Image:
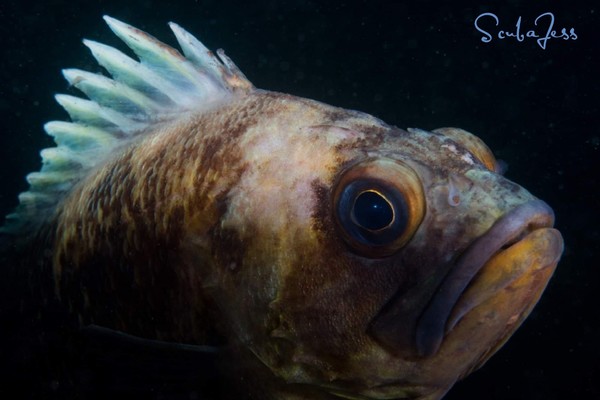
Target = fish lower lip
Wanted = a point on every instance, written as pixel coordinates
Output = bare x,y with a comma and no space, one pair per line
508,230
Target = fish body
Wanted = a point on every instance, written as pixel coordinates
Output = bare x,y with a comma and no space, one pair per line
334,255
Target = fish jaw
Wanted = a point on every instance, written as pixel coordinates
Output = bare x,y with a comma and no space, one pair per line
523,220
492,302
511,269
495,304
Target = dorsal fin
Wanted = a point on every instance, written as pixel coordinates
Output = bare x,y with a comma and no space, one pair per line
161,86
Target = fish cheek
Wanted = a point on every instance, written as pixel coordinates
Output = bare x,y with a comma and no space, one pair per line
328,297
324,307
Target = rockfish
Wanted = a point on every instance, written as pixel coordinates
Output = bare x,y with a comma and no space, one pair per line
326,253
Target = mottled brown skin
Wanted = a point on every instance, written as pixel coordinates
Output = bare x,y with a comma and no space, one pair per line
220,228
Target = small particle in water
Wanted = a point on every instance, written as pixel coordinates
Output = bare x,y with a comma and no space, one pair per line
594,141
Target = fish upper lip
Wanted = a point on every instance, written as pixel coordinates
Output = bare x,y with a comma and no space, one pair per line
510,228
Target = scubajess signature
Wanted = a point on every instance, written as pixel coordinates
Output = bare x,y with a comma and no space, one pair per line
542,31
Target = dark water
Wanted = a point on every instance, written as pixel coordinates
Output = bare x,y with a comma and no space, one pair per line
416,65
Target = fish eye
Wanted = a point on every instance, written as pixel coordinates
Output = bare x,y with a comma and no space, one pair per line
378,205
475,145
372,211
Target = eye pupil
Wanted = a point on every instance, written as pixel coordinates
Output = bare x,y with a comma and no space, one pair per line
372,211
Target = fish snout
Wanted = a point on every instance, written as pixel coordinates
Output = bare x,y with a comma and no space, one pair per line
520,242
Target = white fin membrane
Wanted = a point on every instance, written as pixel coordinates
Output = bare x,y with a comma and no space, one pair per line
161,86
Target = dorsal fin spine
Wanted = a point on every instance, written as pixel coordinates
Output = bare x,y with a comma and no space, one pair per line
135,74
194,50
110,93
157,55
161,86
88,112
79,137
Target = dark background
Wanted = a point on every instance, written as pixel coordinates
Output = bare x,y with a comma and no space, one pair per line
413,65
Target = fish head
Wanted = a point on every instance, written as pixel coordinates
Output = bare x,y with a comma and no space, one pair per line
377,262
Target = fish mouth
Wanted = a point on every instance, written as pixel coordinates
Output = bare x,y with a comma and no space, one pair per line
492,262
